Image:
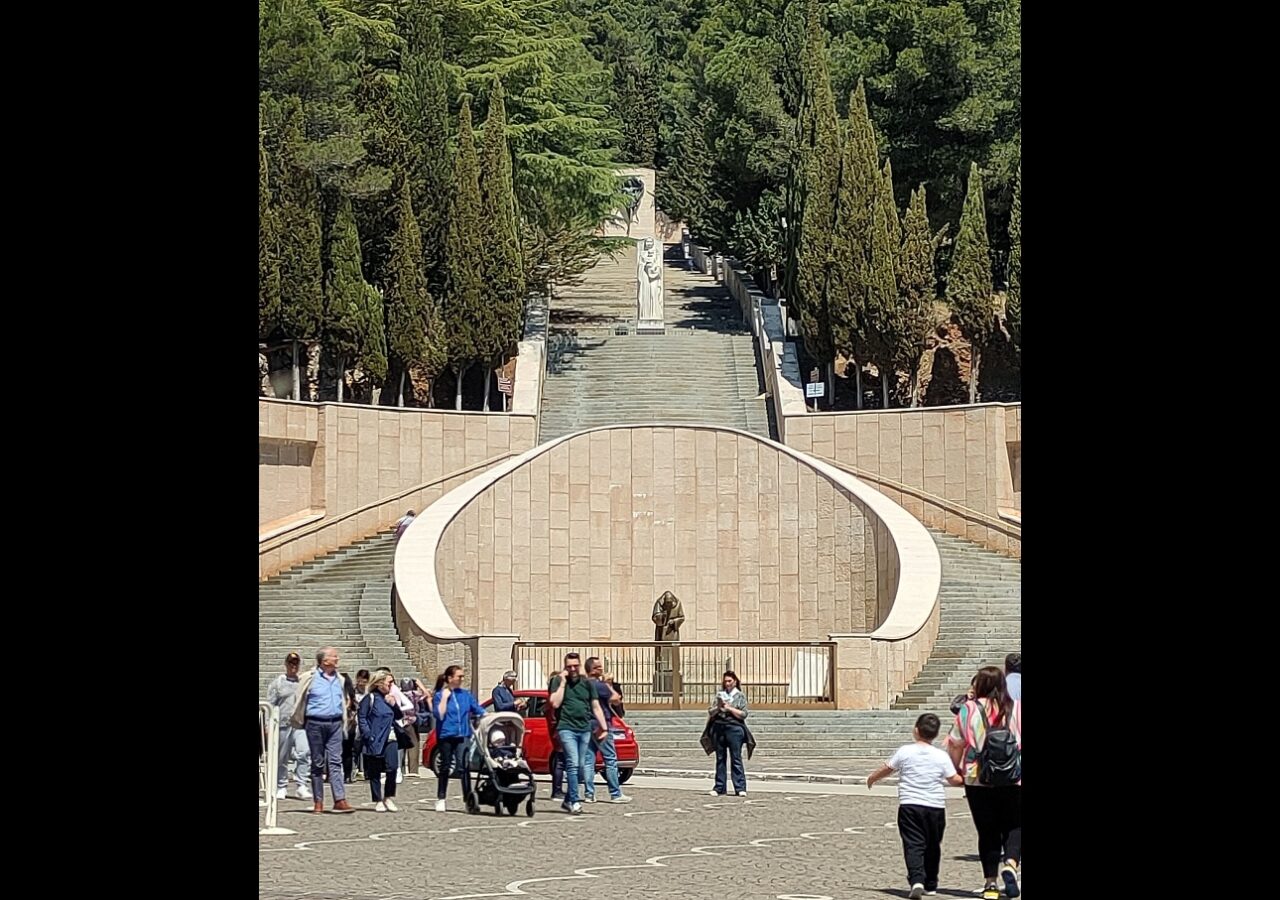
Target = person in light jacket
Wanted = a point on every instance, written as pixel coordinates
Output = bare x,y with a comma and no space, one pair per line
322,709
727,718
378,714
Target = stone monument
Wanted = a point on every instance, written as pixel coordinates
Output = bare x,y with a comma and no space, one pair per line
649,313
667,616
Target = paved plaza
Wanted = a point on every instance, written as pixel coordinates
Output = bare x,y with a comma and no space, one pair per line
784,842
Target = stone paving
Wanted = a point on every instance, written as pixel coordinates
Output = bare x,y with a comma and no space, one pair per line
783,841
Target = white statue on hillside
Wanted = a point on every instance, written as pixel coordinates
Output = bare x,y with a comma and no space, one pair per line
649,277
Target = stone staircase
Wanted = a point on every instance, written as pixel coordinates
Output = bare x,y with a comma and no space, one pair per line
343,599
980,622
702,370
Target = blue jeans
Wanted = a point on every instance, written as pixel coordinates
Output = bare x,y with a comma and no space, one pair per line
577,744
325,739
610,754
729,740
557,773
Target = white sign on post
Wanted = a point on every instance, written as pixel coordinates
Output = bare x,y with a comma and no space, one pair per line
815,389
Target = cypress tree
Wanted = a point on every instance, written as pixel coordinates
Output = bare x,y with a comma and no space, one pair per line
347,300
916,285
820,180
301,269
268,250
503,264
882,290
1013,303
969,287
422,97
464,307
891,207
413,323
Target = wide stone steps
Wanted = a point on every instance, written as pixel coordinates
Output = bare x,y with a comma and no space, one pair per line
343,599
702,370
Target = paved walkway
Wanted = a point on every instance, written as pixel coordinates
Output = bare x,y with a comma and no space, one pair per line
783,841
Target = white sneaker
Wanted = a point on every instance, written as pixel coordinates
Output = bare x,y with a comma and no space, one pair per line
399,777
304,793
714,794
440,806
381,807
917,891
621,798
391,807
282,793
739,793
576,809
590,798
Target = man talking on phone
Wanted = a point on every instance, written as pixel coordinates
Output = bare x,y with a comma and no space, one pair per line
576,703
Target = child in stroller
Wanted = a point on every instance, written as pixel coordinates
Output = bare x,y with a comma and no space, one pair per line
502,778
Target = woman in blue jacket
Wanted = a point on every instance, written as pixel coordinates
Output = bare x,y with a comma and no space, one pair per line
378,714
453,707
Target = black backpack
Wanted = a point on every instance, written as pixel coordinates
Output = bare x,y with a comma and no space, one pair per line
1000,760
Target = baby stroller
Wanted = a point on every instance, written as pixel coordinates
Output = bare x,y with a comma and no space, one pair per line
500,777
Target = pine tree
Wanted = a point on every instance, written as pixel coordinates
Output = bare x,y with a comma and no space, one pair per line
465,311
422,96
268,251
1013,302
917,282
414,333
969,286
820,179
348,298
301,269
503,267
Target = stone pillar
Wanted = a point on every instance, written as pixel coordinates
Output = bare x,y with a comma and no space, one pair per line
491,655
855,671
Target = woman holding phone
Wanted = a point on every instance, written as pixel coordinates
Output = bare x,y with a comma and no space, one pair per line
727,716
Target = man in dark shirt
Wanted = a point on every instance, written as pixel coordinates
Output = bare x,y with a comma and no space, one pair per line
504,695
577,706
608,696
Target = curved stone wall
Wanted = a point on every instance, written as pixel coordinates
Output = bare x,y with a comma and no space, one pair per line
577,542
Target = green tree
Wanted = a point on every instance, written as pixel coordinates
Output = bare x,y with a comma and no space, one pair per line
467,317
349,334
414,332
301,266
969,287
503,268
819,183
423,103
917,286
268,251
891,210
1013,302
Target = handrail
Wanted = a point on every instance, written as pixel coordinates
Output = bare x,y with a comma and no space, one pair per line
269,715
1010,527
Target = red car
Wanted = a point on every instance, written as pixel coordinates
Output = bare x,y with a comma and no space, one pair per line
537,741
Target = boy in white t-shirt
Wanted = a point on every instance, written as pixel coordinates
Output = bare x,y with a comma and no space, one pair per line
924,771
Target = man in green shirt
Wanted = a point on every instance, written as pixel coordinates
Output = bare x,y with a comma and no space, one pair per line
576,703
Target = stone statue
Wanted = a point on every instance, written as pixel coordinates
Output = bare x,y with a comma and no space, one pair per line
633,188
649,313
668,616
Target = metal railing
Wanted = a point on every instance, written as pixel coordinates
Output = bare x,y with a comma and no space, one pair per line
687,674
268,764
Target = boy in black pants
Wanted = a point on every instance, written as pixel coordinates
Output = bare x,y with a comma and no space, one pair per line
924,770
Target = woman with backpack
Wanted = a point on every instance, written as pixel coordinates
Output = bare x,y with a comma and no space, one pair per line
985,744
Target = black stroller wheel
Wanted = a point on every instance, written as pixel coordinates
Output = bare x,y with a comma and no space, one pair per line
528,809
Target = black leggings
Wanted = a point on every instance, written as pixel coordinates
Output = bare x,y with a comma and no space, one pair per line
997,815
451,757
